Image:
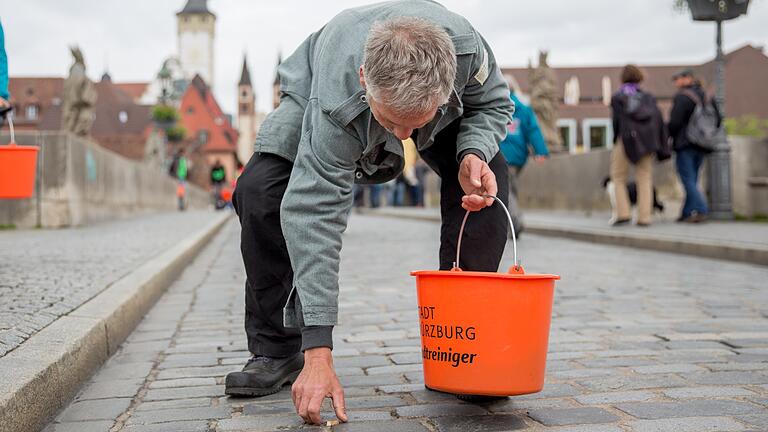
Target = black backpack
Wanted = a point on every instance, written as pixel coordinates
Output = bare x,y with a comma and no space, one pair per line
702,128
174,165
639,127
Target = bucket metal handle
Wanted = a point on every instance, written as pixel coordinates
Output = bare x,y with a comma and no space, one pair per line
517,266
13,134
9,117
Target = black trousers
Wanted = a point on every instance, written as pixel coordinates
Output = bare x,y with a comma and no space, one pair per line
269,276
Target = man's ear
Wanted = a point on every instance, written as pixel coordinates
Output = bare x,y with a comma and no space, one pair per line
362,77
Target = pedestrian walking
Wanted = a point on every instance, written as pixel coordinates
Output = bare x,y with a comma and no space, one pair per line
691,150
179,170
639,135
218,176
523,137
370,78
4,95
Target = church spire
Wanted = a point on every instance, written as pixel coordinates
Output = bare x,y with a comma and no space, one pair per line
245,75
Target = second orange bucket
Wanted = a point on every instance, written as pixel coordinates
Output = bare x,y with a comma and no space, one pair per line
18,165
484,333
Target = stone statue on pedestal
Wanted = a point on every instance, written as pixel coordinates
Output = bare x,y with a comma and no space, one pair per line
544,101
79,98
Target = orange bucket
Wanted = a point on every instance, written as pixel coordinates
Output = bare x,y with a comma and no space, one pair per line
226,194
17,168
180,190
484,333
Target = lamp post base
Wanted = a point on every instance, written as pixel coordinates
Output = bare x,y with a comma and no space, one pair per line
719,181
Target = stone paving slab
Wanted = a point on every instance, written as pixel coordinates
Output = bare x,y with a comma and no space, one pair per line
45,274
639,342
735,241
45,372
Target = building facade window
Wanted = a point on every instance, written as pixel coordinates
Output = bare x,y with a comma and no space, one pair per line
202,136
572,91
607,90
32,112
567,129
597,133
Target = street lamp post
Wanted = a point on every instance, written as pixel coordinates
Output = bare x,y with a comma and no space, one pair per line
719,172
165,83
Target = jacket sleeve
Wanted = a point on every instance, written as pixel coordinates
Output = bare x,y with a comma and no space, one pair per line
663,133
487,106
3,66
615,117
682,108
314,212
533,135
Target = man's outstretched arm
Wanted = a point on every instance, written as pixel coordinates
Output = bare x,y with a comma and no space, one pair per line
313,216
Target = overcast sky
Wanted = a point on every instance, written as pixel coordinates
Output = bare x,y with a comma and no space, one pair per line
131,38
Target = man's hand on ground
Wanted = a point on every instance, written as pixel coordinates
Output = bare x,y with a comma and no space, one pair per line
477,179
539,158
316,382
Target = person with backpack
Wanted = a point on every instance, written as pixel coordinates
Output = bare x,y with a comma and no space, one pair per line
639,133
523,138
218,177
218,174
694,125
179,170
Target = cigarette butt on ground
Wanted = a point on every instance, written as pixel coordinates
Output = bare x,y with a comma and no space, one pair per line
332,422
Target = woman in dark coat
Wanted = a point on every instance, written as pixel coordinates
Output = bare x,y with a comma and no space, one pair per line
638,134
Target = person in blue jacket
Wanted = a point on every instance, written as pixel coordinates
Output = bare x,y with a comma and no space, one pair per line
523,134
4,96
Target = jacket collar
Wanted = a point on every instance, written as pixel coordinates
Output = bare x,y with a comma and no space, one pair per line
352,107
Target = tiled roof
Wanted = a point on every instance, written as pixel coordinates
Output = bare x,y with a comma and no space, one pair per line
135,89
200,111
44,92
120,124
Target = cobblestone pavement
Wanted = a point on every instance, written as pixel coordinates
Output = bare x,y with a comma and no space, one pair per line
737,234
641,341
45,274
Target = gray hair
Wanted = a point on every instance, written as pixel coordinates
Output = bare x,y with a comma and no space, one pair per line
409,65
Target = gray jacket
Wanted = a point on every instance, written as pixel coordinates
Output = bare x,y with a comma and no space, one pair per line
325,126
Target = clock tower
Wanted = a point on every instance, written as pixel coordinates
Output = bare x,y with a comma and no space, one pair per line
196,29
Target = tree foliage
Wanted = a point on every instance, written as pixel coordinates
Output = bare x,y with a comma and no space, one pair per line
176,133
164,114
748,125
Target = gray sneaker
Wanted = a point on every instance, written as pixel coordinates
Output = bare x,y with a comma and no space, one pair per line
263,376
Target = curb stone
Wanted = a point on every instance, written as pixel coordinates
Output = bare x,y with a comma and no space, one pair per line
44,374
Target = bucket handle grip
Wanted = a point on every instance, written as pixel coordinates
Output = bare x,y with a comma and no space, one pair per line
517,266
13,134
